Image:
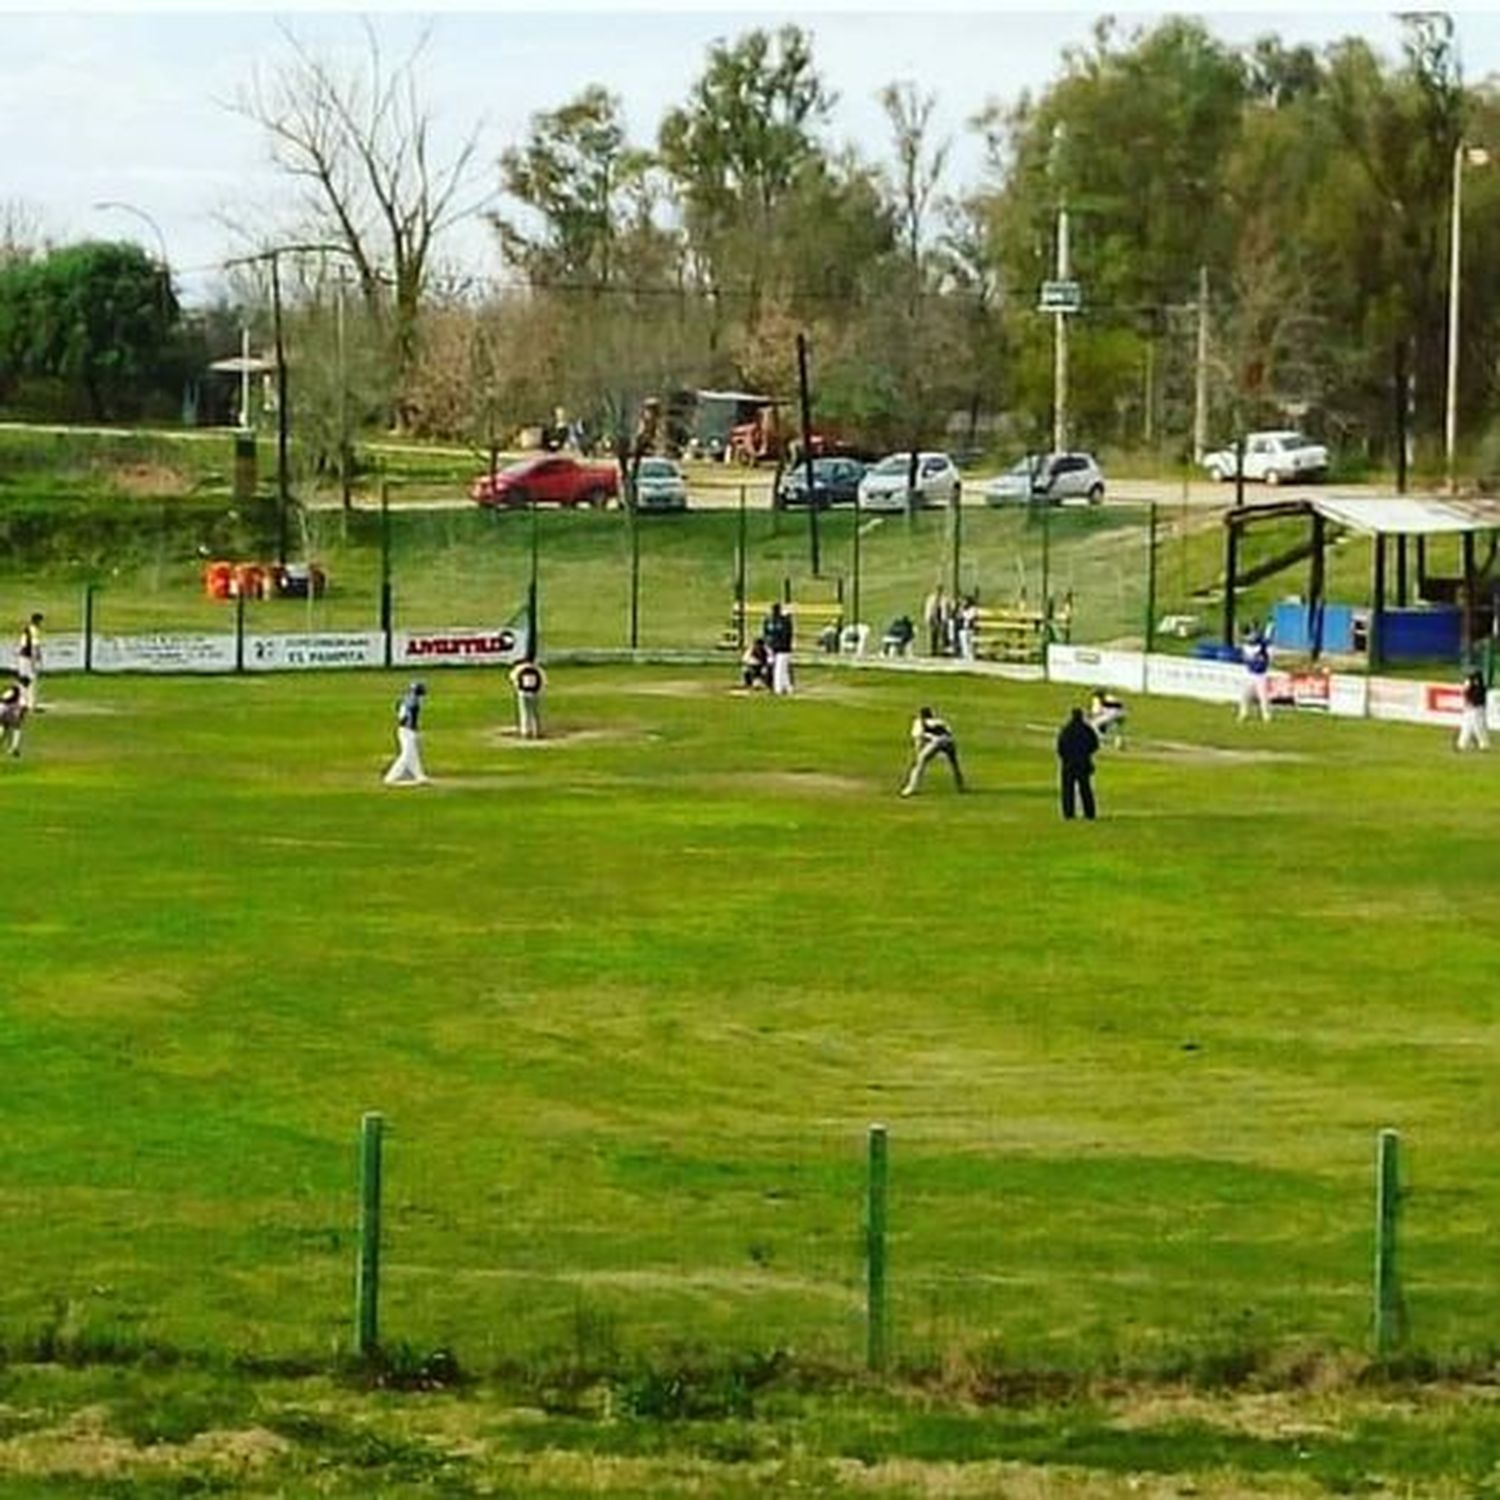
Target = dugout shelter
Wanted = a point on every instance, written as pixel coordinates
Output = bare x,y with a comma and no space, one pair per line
1412,613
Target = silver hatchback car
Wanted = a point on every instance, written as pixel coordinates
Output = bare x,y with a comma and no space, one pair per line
1049,479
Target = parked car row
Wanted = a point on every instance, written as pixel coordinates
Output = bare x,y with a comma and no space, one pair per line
878,487
1273,457
561,479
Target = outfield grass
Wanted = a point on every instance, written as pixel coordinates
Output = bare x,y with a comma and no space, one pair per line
630,1000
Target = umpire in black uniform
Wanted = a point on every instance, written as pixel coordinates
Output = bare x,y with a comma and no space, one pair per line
1077,745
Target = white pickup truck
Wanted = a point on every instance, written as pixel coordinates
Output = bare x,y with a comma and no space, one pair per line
1277,457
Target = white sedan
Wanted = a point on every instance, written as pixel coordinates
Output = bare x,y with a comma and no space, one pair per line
660,486
1051,478
884,486
1276,457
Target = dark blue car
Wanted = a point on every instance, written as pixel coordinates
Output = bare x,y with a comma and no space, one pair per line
835,482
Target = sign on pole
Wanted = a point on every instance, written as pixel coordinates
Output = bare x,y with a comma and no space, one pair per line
1060,297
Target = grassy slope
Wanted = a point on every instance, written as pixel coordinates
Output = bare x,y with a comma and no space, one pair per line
139,516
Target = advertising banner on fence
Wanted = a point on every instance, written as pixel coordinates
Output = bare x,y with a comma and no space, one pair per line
1097,667
164,653
314,652
1415,702
459,647
1187,677
1346,695
1302,689
62,653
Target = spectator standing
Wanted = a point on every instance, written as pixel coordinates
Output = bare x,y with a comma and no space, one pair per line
1473,732
930,736
968,627
406,769
777,631
934,614
1077,745
529,681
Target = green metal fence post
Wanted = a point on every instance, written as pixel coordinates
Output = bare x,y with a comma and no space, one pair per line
1388,1309
740,564
854,600
239,629
386,610
367,1281
635,566
88,627
958,545
1150,634
875,1263
1046,604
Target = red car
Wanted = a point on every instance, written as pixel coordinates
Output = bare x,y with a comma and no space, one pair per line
548,479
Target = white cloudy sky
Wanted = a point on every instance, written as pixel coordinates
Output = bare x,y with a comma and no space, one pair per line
132,105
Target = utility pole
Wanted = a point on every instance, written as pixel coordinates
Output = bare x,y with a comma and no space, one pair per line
282,415
1200,372
1060,316
807,456
345,493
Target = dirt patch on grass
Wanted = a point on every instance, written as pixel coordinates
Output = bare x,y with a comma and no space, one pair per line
1187,752
676,687
1183,750
84,1447
817,783
74,708
824,783
563,739
149,479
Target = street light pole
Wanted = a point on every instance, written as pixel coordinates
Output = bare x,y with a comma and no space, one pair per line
164,287
282,415
1060,318
1475,156
140,213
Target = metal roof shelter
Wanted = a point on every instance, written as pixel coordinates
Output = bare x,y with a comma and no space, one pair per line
1381,517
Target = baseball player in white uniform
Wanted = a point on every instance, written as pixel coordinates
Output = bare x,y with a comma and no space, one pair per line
406,769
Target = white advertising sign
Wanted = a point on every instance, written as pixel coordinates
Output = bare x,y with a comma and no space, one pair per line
1412,702
1097,667
458,647
1346,695
164,653
314,652
1187,677
62,653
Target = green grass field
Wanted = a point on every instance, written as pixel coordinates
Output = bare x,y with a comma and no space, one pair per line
630,1000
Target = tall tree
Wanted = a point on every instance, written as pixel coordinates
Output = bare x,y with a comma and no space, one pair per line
738,147
1149,122
96,316
919,163
580,183
1401,130
360,144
